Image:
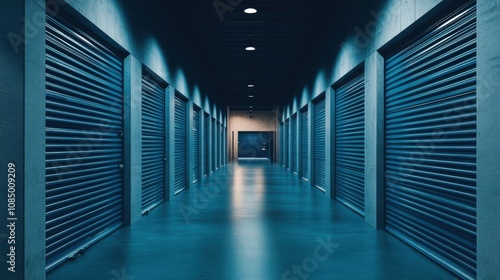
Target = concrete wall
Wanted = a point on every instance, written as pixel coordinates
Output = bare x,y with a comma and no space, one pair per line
488,135
241,121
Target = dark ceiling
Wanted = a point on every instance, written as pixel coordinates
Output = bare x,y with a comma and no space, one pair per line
283,32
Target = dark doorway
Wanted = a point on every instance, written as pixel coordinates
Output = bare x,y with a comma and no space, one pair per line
255,145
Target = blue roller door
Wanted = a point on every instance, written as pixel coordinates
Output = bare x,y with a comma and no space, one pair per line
180,145
431,141
84,145
287,144
304,144
350,144
153,143
206,142
214,146
196,133
293,153
282,153
319,140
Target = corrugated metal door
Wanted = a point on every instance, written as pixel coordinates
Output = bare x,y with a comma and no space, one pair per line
196,145
320,145
431,141
84,145
287,144
350,144
206,154
219,151
282,141
153,143
304,145
180,126
214,145
294,144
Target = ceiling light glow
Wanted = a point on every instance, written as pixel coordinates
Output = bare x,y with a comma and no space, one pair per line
250,11
250,48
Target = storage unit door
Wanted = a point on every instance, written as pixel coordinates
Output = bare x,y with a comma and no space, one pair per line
153,143
431,141
206,154
180,126
219,151
281,144
196,146
214,145
294,145
304,145
350,144
320,145
84,145
287,144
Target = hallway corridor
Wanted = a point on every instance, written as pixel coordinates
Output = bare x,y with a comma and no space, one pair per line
250,220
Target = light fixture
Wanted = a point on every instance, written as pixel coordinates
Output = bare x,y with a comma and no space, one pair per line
251,107
251,96
251,85
250,11
250,47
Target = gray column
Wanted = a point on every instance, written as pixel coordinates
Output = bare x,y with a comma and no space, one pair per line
132,140
374,141
24,108
330,142
488,135
170,142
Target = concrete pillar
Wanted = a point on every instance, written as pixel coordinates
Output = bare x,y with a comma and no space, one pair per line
132,140
170,142
22,139
488,134
330,142
374,141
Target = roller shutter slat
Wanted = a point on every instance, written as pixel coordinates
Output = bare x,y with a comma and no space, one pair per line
153,142
293,153
304,147
196,145
84,146
320,145
180,138
431,141
350,143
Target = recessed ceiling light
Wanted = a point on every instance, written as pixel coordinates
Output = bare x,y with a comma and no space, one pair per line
251,96
250,11
251,85
250,48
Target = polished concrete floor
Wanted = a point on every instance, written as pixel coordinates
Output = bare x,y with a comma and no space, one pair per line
250,220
